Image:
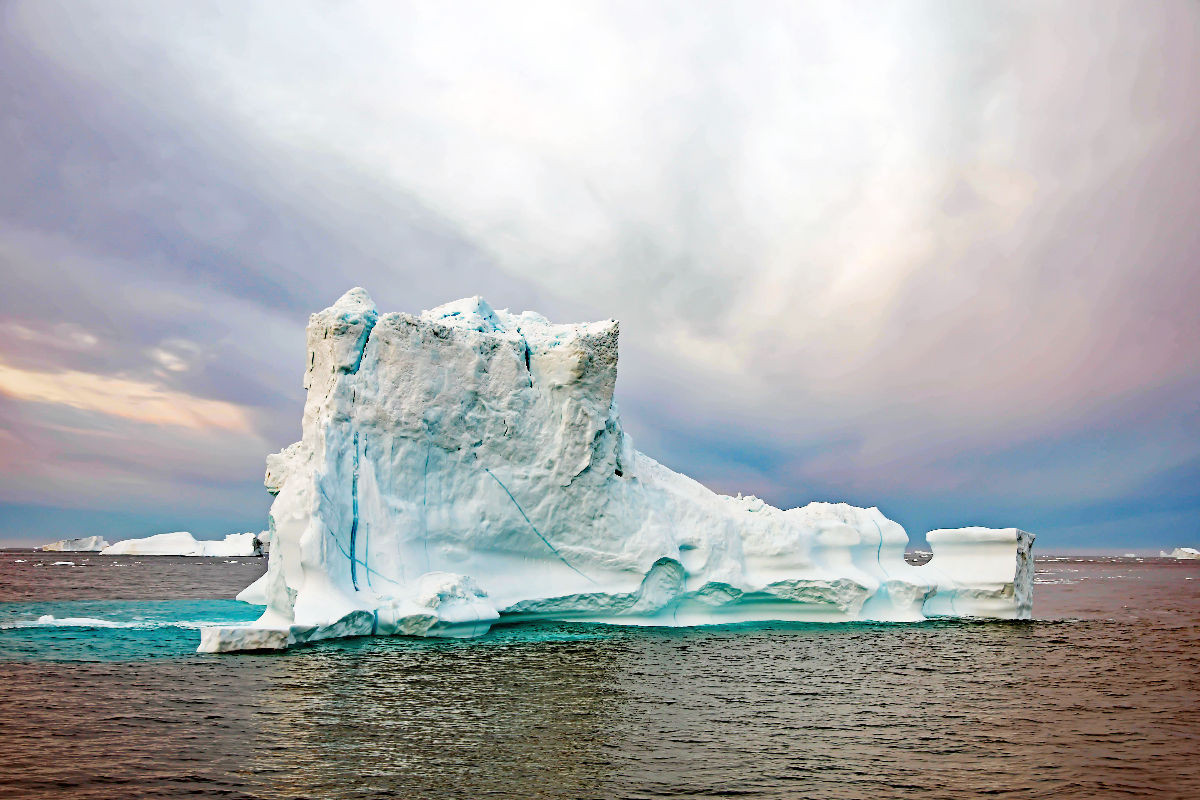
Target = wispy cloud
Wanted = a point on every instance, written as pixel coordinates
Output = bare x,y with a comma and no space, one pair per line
119,397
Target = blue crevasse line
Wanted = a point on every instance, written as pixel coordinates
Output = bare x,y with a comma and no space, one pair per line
879,557
425,507
879,550
370,570
366,535
534,527
354,522
342,550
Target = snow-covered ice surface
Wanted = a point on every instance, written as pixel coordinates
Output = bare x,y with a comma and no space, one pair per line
86,544
467,466
182,543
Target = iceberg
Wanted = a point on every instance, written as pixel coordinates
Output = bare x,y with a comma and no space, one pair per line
85,544
1184,553
466,467
182,543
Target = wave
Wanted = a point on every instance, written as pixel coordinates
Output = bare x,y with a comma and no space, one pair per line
50,621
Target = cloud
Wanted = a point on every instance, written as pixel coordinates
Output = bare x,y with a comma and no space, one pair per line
63,336
176,355
65,456
854,250
130,399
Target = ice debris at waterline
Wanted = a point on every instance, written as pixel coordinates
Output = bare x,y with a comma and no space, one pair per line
85,544
182,543
468,466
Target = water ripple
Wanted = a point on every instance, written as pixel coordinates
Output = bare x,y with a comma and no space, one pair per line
1099,698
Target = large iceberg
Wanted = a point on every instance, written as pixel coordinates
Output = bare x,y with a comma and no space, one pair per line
84,544
182,543
466,467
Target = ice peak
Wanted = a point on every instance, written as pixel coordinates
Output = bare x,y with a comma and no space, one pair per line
470,312
337,335
355,302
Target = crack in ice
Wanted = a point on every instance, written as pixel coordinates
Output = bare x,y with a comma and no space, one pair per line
534,527
354,519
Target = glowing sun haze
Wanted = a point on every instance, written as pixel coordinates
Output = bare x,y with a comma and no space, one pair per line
939,258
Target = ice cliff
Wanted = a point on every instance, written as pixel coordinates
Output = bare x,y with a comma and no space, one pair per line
466,467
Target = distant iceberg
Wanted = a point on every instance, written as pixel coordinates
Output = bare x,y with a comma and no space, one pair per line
1181,553
86,544
182,543
467,467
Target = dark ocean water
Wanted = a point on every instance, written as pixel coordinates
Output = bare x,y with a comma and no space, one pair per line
1099,697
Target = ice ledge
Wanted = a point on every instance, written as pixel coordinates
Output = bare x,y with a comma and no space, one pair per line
981,573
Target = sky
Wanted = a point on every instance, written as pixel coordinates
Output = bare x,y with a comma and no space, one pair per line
940,258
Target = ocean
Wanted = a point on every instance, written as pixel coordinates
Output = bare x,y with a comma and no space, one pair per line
103,696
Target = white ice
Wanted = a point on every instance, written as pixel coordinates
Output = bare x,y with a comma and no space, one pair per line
182,543
467,467
1186,553
72,622
86,544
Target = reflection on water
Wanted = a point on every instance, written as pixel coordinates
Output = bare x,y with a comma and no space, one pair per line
532,717
1100,700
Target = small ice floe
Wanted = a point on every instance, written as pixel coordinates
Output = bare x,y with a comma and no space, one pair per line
19,561
76,622
63,564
